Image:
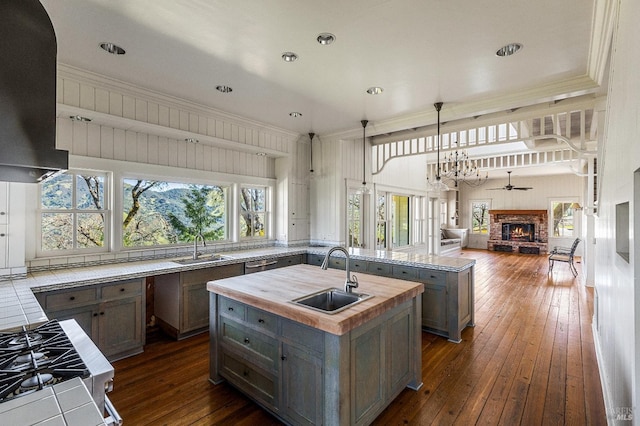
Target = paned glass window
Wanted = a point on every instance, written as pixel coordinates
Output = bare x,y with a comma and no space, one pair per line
253,213
480,217
73,213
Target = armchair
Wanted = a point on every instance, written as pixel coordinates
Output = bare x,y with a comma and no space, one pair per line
564,254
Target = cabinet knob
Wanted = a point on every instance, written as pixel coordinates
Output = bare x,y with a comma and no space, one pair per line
101,313
230,309
3,213
245,373
261,321
95,314
72,298
284,358
3,235
122,289
246,340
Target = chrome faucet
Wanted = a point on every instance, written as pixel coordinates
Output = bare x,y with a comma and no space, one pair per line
351,281
195,244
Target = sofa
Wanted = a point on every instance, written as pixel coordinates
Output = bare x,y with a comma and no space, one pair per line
452,239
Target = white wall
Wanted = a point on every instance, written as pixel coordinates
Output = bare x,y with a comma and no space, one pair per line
338,163
617,325
545,189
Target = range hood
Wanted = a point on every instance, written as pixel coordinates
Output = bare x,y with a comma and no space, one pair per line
28,94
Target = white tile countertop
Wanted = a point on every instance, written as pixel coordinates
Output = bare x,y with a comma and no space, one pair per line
67,403
19,307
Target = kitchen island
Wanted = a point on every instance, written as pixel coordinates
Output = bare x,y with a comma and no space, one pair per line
310,367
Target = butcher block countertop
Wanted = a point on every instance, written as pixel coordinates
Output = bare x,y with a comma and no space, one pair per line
273,290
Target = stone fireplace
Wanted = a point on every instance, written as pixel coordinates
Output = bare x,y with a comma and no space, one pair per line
519,231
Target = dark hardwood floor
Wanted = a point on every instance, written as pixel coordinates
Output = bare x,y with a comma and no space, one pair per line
529,360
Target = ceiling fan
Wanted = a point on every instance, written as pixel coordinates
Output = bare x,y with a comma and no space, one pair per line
509,187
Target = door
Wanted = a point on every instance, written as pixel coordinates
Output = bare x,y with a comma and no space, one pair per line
302,386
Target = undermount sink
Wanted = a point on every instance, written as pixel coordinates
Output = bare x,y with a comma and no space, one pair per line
331,300
202,259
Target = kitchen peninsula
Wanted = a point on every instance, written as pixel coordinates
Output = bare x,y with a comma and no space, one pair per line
310,367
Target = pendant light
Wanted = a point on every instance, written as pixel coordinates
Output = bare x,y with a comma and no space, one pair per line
438,185
364,189
311,135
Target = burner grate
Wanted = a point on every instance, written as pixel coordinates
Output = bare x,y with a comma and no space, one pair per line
33,359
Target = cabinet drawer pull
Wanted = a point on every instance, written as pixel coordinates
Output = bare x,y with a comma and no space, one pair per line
101,313
245,373
3,235
72,298
261,321
95,314
230,308
122,289
246,340
284,358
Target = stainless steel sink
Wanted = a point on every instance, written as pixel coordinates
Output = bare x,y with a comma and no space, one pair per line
202,259
331,300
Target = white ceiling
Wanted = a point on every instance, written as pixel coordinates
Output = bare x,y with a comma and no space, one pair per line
419,51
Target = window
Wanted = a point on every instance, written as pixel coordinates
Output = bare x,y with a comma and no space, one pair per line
418,220
400,221
354,220
73,213
159,213
381,222
480,217
562,222
253,212
443,214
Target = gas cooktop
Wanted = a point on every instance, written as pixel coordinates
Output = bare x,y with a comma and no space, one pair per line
31,360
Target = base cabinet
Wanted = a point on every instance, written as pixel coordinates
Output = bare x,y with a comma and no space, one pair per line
111,314
306,376
448,298
181,300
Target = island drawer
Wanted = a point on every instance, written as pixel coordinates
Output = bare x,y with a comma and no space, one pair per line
433,277
383,269
122,289
262,386
359,265
260,348
232,308
302,335
405,272
69,298
262,320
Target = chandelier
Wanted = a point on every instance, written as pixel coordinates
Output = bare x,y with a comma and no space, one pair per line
458,167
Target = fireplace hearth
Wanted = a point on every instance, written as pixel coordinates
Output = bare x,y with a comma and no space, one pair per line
518,232
521,231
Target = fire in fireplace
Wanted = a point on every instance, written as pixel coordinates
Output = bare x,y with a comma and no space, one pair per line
518,232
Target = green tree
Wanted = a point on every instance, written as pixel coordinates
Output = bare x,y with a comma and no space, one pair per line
204,210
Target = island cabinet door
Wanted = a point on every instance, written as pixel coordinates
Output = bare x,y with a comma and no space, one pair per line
434,308
368,373
302,386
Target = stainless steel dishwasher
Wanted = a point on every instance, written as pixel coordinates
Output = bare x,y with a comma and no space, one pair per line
260,265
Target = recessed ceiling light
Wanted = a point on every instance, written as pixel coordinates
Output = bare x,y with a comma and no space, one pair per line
80,118
224,89
326,38
191,140
289,56
375,90
295,114
112,48
509,49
